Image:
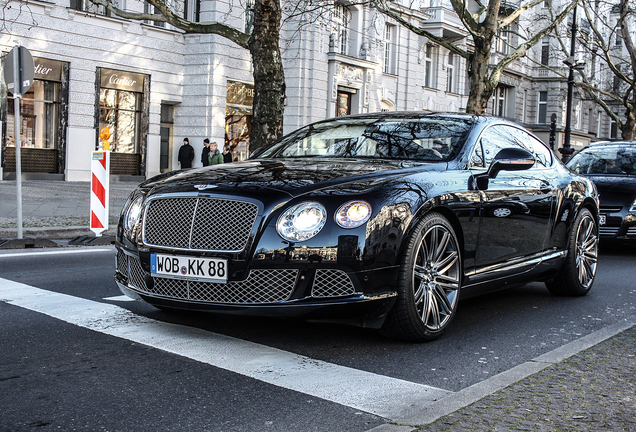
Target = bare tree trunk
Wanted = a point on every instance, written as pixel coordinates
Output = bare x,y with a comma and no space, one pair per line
269,76
628,128
481,88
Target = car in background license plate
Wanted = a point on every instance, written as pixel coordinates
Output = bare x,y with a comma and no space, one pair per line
187,267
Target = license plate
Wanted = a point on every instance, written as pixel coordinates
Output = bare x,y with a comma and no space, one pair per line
193,268
602,219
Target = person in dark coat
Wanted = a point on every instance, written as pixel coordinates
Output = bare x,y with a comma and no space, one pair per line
186,154
205,154
227,154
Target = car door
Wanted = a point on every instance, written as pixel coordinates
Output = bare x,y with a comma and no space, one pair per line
516,208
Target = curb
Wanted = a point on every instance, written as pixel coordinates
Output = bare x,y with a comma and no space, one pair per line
476,392
54,233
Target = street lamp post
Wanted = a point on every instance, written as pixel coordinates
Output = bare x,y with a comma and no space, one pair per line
567,150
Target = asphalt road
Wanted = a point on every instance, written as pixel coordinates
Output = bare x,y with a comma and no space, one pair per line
87,370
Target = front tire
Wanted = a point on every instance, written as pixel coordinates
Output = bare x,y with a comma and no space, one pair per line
578,271
428,283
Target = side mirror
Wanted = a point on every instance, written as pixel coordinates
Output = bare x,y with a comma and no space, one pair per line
511,159
508,159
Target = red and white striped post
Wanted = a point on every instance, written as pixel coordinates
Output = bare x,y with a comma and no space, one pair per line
100,184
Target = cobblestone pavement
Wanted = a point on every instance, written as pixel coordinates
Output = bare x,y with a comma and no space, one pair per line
594,390
56,203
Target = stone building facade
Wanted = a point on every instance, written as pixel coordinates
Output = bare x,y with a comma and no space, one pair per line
154,85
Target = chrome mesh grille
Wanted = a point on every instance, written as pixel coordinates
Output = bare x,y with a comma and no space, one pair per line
136,276
332,283
261,286
122,263
199,223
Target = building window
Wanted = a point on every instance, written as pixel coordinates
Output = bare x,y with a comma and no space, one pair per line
120,105
150,9
192,10
545,51
450,73
613,129
619,35
543,107
502,41
249,16
343,103
499,108
390,49
238,118
578,116
88,6
430,67
341,22
39,108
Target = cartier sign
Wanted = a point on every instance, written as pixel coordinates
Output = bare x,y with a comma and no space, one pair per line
48,70
120,80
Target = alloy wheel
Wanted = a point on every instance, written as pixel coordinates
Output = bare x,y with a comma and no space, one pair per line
436,277
586,251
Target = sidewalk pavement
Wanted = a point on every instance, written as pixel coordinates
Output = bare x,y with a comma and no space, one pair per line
586,385
55,209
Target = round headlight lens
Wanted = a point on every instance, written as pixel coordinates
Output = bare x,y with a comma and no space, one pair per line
302,221
353,214
133,213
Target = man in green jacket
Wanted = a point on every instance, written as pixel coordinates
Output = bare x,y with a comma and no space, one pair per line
216,157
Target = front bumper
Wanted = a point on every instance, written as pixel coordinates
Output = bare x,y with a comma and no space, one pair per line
312,292
619,226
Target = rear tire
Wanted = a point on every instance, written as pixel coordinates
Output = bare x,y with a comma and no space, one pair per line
578,271
428,283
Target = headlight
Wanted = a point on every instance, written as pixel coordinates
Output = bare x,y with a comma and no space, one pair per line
133,213
353,214
302,221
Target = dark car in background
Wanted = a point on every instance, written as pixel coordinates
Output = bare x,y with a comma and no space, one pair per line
379,220
612,168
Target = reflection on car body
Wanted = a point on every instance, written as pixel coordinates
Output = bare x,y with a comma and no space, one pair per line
612,168
380,220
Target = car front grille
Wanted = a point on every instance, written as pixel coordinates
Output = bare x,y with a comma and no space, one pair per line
631,231
331,283
199,223
608,231
610,209
260,287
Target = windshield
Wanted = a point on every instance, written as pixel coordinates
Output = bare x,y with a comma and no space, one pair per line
429,139
609,159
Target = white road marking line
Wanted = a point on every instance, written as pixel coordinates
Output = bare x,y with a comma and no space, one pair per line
121,298
377,394
56,252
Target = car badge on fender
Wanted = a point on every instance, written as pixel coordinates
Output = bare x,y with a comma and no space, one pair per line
205,186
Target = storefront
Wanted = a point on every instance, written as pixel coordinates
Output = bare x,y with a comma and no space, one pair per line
238,118
43,120
123,107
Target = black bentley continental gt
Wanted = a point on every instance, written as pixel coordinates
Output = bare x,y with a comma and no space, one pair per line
379,220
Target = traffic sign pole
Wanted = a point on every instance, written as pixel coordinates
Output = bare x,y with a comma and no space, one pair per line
17,136
18,74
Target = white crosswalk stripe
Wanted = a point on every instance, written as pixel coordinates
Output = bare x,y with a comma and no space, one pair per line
377,394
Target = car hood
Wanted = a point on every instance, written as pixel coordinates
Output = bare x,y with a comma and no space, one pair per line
615,183
294,177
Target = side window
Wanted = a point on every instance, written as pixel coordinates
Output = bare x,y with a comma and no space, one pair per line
494,139
542,153
500,136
